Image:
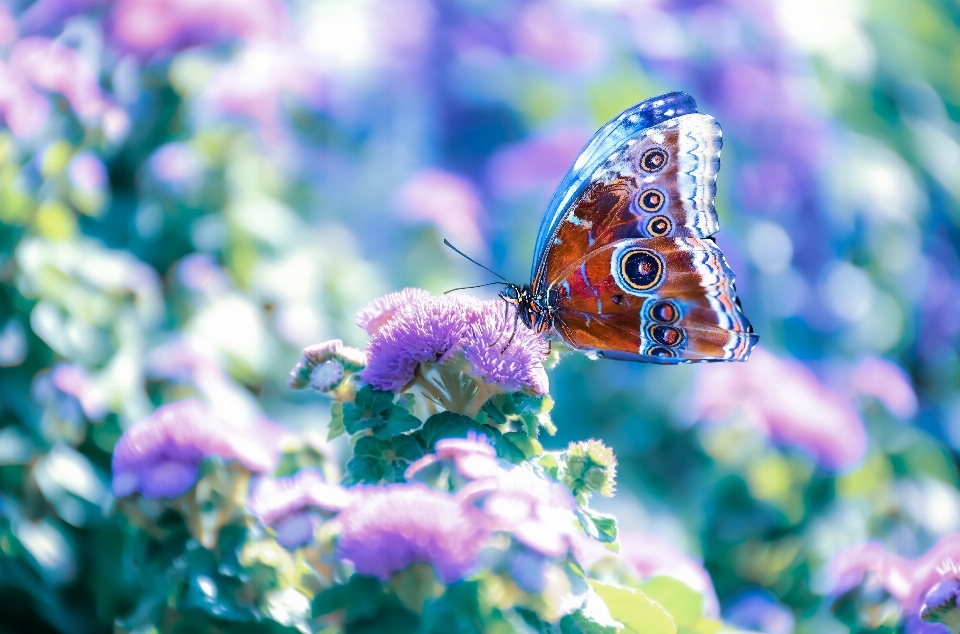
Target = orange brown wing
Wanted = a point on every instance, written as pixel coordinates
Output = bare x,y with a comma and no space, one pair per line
661,300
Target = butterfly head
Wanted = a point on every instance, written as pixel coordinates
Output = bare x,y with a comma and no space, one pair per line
533,311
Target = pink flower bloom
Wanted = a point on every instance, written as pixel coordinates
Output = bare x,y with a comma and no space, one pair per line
152,26
784,400
472,457
536,511
888,383
909,580
160,455
391,527
450,202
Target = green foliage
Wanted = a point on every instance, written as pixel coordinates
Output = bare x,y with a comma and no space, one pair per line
632,608
376,411
599,526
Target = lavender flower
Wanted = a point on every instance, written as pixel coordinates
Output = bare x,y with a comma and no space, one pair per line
160,455
378,312
295,506
388,528
519,365
784,400
922,586
435,329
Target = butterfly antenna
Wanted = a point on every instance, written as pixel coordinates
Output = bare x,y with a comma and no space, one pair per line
447,242
463,288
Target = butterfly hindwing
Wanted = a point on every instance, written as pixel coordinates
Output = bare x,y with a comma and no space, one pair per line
665,300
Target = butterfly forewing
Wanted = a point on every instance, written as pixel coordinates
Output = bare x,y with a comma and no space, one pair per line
630,264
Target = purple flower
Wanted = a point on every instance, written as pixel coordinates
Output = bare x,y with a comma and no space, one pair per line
433,329
160,455
295,506
536,511
519,365
564,42
784,400
324,365
423,332
381,310
388,528
177,165
759,612
913,582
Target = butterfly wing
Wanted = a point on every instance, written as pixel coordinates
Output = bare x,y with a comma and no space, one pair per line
607,141
661,300
648,191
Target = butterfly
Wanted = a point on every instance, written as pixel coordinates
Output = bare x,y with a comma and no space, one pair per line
625,266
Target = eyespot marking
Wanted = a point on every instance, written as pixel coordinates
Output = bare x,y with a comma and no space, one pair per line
660,351
659,226
665,312
650,200
641,269
653,160
665,335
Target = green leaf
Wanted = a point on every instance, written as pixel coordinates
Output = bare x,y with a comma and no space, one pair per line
398,421
684,604
449,425
528,446
594,616
599,526
336,421
363,469
549,463
634,609
370,408
376,459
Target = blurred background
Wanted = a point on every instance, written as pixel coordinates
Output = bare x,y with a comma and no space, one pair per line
193,190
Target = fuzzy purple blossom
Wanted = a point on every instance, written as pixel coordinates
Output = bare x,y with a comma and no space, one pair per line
785,401
515,367
295,506
378,312
389,528
433,329
913,582
160,455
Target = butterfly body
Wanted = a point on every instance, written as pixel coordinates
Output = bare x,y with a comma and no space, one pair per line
625,265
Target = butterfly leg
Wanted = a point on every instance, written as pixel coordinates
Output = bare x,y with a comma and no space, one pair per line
506,316
513,333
